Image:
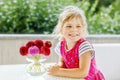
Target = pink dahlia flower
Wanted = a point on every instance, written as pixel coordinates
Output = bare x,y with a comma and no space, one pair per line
33,50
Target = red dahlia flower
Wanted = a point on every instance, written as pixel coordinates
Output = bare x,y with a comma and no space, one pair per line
38,43
29,44
23,50
48,44
45,51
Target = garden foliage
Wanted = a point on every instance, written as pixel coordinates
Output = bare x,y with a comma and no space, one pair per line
40,16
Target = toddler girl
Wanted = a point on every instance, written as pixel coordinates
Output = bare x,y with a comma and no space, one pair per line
77,56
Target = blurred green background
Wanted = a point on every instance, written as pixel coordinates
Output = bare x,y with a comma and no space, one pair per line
40,16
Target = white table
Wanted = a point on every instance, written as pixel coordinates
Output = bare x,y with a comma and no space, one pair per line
18,72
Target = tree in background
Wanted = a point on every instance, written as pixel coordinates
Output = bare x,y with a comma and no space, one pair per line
40,16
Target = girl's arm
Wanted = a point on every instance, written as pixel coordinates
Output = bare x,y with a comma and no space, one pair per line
81,72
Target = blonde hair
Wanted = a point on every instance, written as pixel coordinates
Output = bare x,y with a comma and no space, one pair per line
69,13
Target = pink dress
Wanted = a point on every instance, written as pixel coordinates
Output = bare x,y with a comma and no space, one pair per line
71,60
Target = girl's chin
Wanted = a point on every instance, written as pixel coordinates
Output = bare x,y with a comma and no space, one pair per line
73,39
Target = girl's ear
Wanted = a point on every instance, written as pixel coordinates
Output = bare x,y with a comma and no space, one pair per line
83,29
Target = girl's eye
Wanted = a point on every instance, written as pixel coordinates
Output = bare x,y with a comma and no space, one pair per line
78,26
69,26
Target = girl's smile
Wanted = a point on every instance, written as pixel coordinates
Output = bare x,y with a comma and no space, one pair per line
73,34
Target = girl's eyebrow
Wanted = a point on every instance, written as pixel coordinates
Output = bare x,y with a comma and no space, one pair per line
79,24
68,24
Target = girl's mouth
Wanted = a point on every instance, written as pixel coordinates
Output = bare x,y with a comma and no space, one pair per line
73,35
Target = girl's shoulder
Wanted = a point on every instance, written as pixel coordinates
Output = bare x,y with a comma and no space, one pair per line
86,46
84,42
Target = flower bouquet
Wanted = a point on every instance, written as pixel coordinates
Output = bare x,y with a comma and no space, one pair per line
34,52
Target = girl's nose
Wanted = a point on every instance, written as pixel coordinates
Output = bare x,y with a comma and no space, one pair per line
74,28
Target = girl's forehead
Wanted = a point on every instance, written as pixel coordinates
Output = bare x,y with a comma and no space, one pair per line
76,20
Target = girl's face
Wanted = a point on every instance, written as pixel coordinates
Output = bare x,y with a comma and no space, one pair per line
72,30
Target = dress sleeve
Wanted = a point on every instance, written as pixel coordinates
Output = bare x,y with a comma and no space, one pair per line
57,49
86,46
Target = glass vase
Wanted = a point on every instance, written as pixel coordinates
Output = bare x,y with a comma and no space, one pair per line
36,66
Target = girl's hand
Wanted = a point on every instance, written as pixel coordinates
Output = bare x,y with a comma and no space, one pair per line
53,70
